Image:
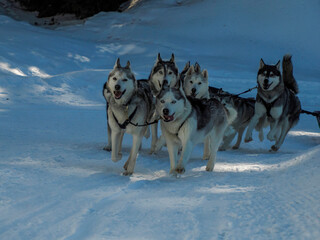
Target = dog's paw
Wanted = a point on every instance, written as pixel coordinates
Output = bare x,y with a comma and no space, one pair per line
235,147
209,168
125,166
180,170
248,139
117,158
274,148
205,157
107,148
222,148
127,173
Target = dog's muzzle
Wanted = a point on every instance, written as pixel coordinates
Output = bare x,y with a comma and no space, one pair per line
168,118
266,84
118,94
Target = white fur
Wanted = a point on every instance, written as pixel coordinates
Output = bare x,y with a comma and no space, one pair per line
188,135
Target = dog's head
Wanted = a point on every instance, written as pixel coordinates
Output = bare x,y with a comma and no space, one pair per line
195,83
163,72
269,76
121,82
170,103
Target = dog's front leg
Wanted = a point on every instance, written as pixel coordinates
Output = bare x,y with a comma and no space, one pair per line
284,131
237,144
185,155
206,149
131,162
275,113
108,147
154,133
260,110
116,142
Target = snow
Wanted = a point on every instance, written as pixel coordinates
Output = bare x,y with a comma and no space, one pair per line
56,182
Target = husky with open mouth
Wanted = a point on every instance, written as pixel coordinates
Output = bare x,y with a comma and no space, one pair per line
186,122
276,99
130,103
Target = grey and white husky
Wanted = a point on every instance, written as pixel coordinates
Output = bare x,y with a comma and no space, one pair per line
129,104
163,72
186,122
276,99
195,84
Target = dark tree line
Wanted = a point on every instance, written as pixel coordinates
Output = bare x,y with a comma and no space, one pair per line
81,8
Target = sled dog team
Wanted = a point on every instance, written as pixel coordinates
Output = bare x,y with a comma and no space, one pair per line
191,112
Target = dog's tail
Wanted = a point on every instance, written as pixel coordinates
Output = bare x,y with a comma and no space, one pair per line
231,114
287,71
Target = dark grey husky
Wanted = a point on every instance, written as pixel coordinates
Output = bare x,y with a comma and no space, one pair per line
276,99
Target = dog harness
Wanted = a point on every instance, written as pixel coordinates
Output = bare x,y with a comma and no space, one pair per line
126,122
268,106
184,122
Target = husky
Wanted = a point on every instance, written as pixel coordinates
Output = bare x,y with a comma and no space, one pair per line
129,104
163,72
245,111
186,122
276,99
195,84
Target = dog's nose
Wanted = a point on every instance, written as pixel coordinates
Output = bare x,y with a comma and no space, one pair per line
165,82
165,111
117,87
266,81
193,90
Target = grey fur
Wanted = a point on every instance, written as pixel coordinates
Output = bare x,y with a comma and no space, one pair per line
127,97
186,122
279,104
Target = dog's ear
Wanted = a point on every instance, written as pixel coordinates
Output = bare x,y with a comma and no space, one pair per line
159,59
278,65
205,74
186,67
261,63
117,64
197,67
190,70
128,65
172,58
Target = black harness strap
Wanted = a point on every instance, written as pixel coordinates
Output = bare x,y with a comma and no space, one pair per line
143,125
184,122
268,105
126,122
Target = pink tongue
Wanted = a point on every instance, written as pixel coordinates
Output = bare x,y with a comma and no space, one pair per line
169,118
117,94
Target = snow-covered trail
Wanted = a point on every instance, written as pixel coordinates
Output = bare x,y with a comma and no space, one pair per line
56,182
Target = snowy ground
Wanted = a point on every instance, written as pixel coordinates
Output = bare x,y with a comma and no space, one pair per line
56,182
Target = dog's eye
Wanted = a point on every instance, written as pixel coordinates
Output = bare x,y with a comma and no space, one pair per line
271,74
160,72
114,78
162,101
125,80
200,83
174,101
170,73
191,82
